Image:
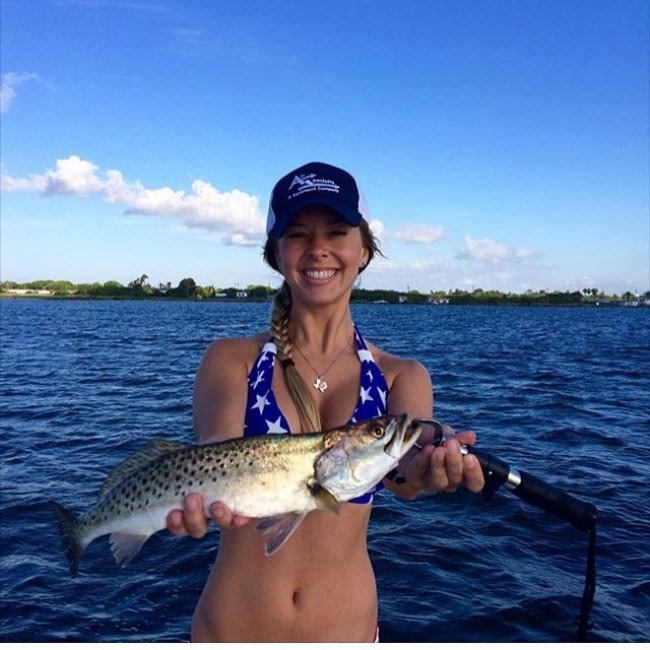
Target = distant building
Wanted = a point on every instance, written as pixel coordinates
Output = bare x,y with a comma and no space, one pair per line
30,292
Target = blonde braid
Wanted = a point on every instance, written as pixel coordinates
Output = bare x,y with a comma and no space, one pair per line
300,394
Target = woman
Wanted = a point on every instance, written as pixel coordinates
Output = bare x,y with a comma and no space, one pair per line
320,586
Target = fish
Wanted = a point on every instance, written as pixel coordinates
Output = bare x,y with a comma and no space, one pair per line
277,479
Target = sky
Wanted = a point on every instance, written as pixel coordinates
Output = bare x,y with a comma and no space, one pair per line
501,144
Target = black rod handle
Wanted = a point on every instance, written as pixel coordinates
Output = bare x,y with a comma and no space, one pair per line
538,493
534,491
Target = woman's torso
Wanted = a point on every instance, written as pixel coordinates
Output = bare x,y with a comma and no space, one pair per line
320,586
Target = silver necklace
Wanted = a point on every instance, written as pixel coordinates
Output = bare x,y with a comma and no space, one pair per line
320,383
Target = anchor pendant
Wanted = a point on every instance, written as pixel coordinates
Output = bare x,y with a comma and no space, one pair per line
320,384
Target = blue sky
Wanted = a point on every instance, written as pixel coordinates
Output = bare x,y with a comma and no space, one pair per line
500,144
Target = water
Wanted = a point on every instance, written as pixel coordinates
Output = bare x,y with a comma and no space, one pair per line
562,393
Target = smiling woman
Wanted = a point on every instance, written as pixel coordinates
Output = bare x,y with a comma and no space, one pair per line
319,255
320,586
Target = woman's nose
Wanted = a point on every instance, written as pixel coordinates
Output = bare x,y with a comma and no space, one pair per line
317,248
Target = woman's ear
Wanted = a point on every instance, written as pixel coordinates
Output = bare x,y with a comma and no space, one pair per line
365,258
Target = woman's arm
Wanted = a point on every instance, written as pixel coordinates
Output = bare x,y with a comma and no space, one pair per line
220,393
432,469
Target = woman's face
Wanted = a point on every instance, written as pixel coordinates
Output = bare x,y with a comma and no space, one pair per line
319,255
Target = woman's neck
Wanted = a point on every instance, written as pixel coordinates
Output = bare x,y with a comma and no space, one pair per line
323,331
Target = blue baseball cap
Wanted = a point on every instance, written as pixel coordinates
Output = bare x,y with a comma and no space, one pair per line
315,183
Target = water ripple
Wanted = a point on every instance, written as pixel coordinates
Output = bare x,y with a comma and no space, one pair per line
561,393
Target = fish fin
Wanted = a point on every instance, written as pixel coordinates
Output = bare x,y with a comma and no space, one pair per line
154,450
69,529
326,500
279,529
125,546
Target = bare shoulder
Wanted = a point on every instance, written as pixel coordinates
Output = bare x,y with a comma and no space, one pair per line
229,360
220,388
234,349
409,384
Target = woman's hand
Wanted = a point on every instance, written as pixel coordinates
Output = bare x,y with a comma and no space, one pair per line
440,468
192,520
445,468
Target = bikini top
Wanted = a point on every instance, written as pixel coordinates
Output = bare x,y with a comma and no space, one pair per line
263,415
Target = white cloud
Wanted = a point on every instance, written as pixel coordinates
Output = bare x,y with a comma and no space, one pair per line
10,81
485,263
235,214
488,250
420,233
447,273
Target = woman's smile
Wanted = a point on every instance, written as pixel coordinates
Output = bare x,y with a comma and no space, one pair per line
320,255
319,275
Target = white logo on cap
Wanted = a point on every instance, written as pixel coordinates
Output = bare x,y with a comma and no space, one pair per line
311,183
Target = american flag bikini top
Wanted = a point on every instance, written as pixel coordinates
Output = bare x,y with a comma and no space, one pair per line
263,414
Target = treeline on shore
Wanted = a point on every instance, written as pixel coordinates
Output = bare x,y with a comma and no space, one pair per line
188,289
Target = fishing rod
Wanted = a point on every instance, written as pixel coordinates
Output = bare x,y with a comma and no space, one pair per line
540,494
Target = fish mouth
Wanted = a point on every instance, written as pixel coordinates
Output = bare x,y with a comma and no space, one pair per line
404,435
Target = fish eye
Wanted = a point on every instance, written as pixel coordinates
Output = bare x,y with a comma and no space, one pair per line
377,432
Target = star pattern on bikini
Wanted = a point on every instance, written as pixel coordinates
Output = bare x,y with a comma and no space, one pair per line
276,426
364,354
261,402
268,349
258,379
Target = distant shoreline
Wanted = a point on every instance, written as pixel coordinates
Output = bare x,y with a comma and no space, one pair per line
247,300
188,290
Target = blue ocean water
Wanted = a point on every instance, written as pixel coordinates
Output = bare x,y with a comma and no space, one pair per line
562,393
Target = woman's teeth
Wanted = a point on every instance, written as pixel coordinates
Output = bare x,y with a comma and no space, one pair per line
320,275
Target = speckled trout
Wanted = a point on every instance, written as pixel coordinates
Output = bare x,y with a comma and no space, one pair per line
278,479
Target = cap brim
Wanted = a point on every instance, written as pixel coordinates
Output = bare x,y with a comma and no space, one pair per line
352,218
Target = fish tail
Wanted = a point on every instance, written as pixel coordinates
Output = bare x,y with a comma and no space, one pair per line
68,525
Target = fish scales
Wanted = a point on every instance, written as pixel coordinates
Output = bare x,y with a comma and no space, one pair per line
216,471
276,478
